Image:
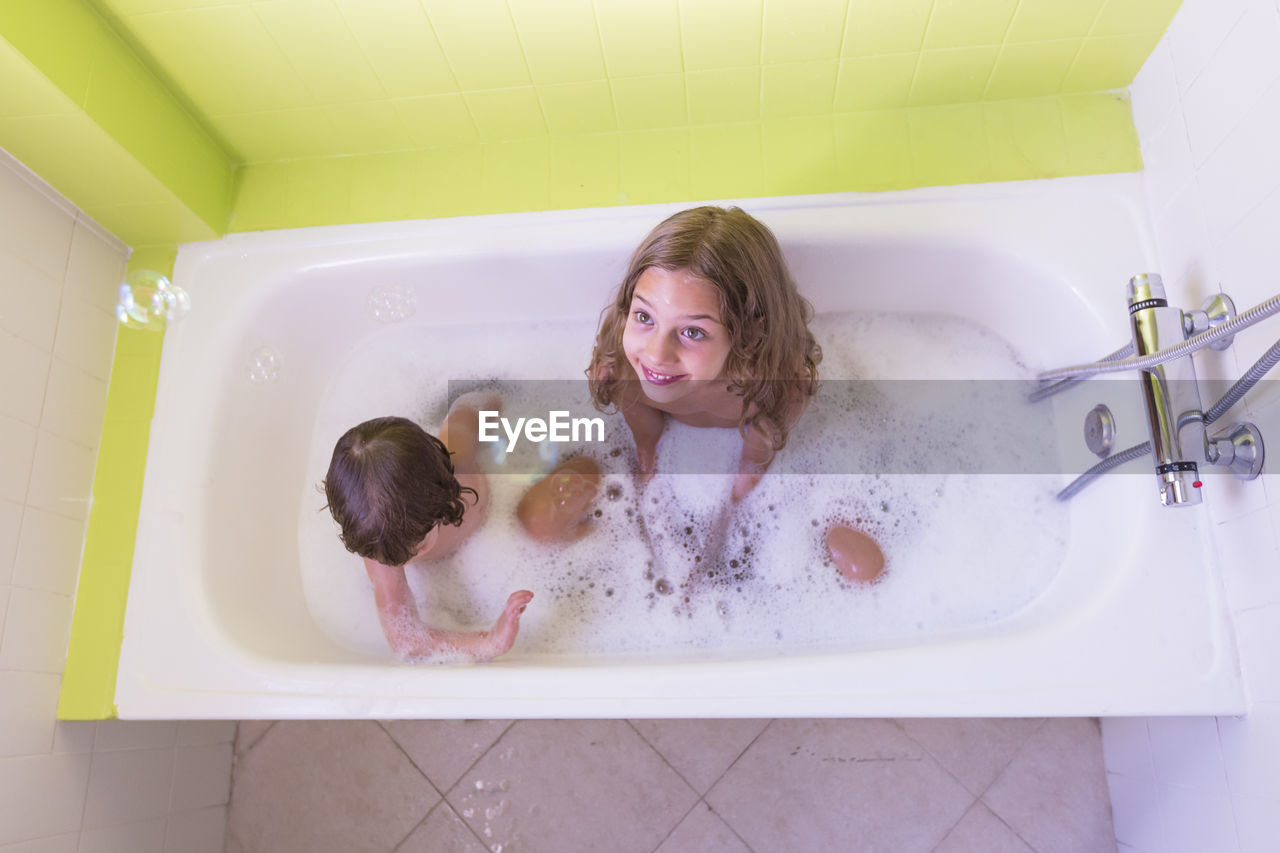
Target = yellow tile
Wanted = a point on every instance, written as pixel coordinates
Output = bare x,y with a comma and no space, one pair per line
578,107
321,48
437,120
802,30
279,135
448,181
645,103
799,156
968,23
584,171
1029,70
396,38
949,145
875,82
261,190
1047,20
480,42
655,166
798,89
952,76
873,151
720,33
726,162
885,26
169,222
1109,63
731,94
366,127
1025,139
382,187
224,59
319,192
640,39
63,38
560,40
134,372
26,91
502,114
517,176
1132,17
1100,134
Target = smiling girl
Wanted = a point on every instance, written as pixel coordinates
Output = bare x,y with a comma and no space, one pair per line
708,328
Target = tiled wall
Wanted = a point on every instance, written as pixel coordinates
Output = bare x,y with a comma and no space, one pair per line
84,787
1207,109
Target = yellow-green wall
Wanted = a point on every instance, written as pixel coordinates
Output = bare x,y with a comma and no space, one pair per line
171,121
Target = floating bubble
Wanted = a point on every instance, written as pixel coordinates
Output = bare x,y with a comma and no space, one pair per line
264,365
148,300
390,303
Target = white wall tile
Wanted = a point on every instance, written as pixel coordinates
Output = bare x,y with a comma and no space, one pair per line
51,844
1257,824
74,403
128,787
41,795
74,735
29,300
1247,550
1196,33
1166,161
10,529
1126,748
1242,68
86,337
1154,93
1229,192
17,450
1135,813
1197,821
1183,241
1250,750
24,368
36,628
28,702
1186,753
31,227
1258,634
142,837
115,735
202,831
4,605
48,553
61,476
95,268
201,777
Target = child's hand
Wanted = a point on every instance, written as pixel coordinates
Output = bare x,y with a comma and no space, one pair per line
743,483
504,630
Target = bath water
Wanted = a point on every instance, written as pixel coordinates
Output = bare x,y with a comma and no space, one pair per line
962,550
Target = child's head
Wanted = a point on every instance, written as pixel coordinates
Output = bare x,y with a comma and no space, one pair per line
717,279
389,484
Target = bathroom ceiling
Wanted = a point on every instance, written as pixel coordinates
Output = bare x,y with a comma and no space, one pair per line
286,79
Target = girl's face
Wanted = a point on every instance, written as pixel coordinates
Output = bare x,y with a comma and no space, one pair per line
674,339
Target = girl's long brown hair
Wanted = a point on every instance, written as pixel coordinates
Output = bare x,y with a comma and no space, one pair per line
773,358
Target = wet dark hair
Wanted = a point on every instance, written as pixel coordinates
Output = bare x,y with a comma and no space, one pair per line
389,483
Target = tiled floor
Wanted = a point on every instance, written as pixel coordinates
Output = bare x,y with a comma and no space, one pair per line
670,786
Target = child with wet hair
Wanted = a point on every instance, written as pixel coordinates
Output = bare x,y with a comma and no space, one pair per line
709,329
397,495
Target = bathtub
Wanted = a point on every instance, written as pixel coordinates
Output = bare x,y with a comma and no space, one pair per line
218,625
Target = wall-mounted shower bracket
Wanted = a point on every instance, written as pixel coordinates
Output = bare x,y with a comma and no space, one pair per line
1215,311
1240,451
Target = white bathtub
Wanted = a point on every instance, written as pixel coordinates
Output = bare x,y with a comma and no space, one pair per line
218,624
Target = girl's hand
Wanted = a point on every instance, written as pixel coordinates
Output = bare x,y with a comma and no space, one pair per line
504,630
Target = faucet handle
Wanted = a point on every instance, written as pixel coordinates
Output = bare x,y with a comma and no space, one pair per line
1215,311
1240,451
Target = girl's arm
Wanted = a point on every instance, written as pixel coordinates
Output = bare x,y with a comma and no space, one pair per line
646,424
410,639
758,452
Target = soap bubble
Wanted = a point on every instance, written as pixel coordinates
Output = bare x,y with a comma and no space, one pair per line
148,300
389,303
264,365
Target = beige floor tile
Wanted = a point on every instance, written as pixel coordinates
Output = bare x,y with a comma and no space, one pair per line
249,732
700,750
980,831
341,786
445,749
703,832
1054,792
839,785
443,832
975,751
561,785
